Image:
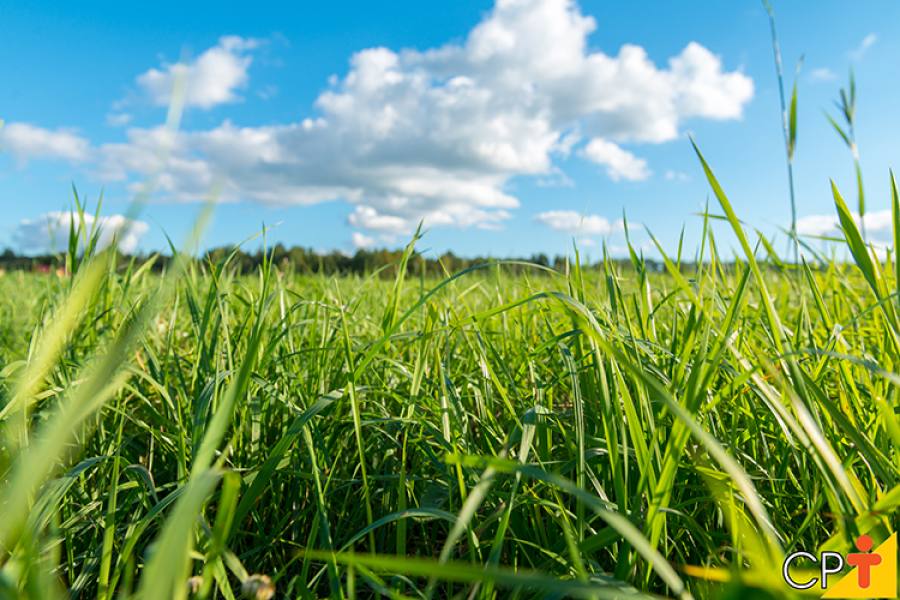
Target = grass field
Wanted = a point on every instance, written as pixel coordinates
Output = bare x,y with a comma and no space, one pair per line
600,433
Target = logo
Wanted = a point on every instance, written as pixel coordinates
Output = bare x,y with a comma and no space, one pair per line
873,573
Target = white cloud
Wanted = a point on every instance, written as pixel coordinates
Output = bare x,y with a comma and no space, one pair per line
822,74
212,79
436,135
672,175
118,119
574,223
361,240
817,225
25,141
863,47
367,217
619,163
50,232
829,225
879,220
701,89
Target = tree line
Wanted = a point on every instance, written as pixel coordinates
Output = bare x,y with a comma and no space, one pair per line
302,260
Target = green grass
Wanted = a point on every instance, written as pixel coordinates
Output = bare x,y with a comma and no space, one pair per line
596,433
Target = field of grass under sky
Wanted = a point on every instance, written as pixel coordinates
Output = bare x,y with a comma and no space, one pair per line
179,428
597,433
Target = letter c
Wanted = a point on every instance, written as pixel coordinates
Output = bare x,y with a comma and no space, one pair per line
785,572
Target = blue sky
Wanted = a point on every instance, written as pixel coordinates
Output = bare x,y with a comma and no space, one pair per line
509,129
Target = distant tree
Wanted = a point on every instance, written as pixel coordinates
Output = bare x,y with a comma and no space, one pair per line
540,259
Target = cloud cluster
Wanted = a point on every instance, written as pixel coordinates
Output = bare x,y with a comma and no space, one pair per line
436,135
213,78
431,135
50,232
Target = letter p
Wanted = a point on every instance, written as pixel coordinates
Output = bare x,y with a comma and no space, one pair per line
829,571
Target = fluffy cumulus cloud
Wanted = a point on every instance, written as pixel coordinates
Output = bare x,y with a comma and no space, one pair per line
574,223
25,141
211,79
50,232
435,134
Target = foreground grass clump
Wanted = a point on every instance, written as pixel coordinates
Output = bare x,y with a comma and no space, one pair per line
590,433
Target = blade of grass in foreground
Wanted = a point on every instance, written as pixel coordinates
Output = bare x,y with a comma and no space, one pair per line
774,322
165,576
895,222
869,268
51,340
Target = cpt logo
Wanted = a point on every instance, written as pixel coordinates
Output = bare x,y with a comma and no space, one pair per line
874,573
